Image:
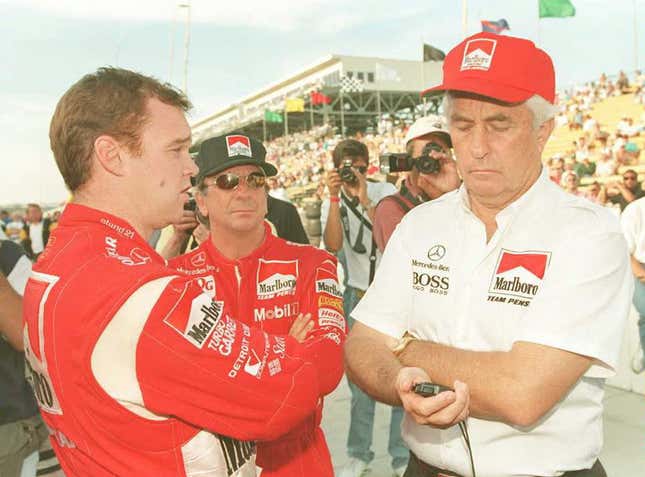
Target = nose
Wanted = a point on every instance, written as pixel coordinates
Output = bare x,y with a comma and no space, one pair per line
479,142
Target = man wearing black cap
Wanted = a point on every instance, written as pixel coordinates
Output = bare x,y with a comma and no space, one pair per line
271,284
509,290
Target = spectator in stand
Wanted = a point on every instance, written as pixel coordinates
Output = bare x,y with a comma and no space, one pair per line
633,223
585,168
581,148
15,228
556,169
590,124
24,444
37,230
570,183
605,165
622,83
596,193
5,218
622,193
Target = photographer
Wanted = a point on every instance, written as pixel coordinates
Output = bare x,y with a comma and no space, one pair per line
346,219
432,173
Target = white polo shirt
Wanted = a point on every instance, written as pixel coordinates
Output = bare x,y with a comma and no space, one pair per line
358,264
633,222
556,272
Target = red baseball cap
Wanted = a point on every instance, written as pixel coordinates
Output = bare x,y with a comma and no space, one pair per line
505,68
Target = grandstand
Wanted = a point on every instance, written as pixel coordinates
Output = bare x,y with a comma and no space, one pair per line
607,113
359,90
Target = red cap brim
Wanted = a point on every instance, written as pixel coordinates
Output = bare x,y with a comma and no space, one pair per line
507,94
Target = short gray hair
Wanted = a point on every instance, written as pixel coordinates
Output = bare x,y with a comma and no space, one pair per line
542,110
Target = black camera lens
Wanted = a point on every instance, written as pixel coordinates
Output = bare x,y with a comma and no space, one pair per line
428,165
346,173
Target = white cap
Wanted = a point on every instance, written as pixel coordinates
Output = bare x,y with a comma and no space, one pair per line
427,125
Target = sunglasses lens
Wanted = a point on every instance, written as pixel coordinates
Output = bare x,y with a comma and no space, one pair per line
255,180
227,181
362,169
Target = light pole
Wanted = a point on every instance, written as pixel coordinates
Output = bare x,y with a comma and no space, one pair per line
186,44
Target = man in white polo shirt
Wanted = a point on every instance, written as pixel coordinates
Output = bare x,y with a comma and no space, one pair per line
633,222
508,284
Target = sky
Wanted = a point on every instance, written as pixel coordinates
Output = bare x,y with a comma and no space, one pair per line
236,48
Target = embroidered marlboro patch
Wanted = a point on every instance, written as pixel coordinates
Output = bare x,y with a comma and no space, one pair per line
478,54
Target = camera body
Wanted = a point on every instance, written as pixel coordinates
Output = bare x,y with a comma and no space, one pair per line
402,162
346,173
191,205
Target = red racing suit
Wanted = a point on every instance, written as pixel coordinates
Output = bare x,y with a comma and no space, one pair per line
267,290
138,372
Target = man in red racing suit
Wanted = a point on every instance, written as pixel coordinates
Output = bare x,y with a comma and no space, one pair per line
268,288
137,371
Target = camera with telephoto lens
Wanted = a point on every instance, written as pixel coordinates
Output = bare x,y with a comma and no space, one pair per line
346,173
402,162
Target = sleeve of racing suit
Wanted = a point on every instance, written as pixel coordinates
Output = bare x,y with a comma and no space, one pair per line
323,299
196,362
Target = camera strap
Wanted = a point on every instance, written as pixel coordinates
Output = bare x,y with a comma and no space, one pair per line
358,246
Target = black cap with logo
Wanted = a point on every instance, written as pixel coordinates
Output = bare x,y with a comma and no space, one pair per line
219,153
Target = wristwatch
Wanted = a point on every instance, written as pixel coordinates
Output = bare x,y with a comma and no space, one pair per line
400,345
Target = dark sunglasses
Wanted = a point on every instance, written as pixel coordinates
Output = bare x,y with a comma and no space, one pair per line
628,178
229,181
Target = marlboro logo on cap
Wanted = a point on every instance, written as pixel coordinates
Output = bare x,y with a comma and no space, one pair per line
478,54
238,146
216,154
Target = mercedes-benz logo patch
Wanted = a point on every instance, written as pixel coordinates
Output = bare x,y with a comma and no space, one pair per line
436,252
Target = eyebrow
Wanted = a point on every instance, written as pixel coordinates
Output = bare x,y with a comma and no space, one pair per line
180,141
495,117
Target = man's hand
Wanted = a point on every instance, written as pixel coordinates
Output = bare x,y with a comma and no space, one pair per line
443,410
301,327
446,180
333,183
186,224
359,188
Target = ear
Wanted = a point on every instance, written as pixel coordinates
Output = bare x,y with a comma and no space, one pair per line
108,152
200,200
544,132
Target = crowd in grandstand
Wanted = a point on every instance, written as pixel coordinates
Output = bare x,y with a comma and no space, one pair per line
591,166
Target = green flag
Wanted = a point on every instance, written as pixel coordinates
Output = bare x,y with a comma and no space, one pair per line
556,8
272,116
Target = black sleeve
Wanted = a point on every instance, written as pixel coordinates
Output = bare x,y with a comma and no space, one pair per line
295,228
10,253
284,216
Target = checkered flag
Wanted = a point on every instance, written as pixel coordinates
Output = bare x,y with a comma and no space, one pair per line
351,85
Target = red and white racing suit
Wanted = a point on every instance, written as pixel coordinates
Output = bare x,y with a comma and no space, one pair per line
138,372
267,290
